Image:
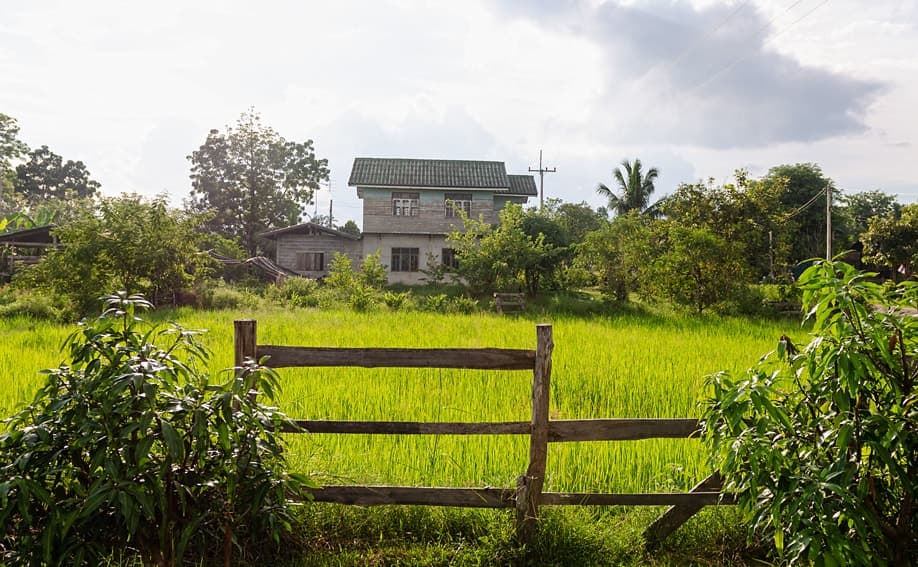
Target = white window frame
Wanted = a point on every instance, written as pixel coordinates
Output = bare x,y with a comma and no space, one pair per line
405,204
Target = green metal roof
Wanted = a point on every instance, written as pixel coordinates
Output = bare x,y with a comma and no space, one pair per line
522,185
425,173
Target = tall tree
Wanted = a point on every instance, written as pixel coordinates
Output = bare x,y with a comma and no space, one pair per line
46,176
11,149
634,188
803,199
251,179
892,240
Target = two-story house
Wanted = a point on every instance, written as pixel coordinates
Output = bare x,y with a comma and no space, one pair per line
409,206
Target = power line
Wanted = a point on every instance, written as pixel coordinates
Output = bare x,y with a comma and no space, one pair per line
766,42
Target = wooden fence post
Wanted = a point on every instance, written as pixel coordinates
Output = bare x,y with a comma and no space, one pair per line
245,341
529,487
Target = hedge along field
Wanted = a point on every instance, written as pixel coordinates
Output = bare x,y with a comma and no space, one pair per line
625,366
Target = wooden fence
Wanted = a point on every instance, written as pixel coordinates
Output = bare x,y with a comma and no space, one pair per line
528,495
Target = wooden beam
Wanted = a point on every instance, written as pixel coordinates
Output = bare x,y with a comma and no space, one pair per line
620,429
679,513
410,427
478,358
699,499
530,487
245,341
419,496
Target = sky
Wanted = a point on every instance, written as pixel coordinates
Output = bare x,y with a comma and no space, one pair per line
695,88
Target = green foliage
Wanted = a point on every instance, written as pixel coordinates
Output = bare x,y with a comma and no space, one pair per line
295,292
463,304
892,241
697,268
372,272
223,296
861,207
820,441
47,176
438,303
130,446
131,244
397,301
506,256
361,298
34,305
350,227
619,254
804,225
634,188
341,274
252,179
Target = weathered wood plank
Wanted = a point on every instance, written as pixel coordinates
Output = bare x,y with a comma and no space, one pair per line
620,429
698,499
674,517
420,496
410,427
529,493
476,358
245,341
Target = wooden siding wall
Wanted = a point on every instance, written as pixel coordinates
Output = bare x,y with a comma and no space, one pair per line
288,245
378,217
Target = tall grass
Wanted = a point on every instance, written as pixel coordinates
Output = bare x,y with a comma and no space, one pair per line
623,366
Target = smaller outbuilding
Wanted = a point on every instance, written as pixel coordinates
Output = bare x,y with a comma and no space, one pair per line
307,248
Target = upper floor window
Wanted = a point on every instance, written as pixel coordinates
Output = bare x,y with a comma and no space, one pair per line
404,204
456,202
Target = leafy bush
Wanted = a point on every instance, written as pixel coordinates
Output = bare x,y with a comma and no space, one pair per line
35,305
362,298
438,303
397,300
296,292
129,446
463,304
820,442
222,296
372,272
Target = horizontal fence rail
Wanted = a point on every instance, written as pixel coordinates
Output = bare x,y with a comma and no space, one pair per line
470,358
528,495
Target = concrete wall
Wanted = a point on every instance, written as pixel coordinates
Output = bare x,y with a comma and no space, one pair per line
425,243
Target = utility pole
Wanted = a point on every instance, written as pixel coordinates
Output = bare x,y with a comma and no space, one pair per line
542,171
330,203
828,222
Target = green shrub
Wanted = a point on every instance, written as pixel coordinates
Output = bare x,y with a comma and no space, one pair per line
397,300
35,305
128,446
463,304
820,442
438,303
295,292
362,298
225,297
372,272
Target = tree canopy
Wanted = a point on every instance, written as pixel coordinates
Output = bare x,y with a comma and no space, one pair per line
46,176
634,187
250,179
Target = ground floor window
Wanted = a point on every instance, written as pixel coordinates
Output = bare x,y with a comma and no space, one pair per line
448,258
310,261
404,260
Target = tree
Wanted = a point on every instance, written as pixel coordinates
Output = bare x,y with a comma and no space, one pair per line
46,176
820,442
130,244
575,219
11,149
252,179
619,254
502,256
861,207
803,202
697,268
892,240
634,188
350,227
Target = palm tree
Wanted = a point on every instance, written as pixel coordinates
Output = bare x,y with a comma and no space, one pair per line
634,188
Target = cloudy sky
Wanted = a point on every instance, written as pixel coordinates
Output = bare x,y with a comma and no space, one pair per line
697,88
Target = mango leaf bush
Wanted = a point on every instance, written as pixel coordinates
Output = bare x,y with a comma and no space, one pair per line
130,447
821,442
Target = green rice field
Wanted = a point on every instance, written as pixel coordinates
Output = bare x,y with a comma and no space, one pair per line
638,365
